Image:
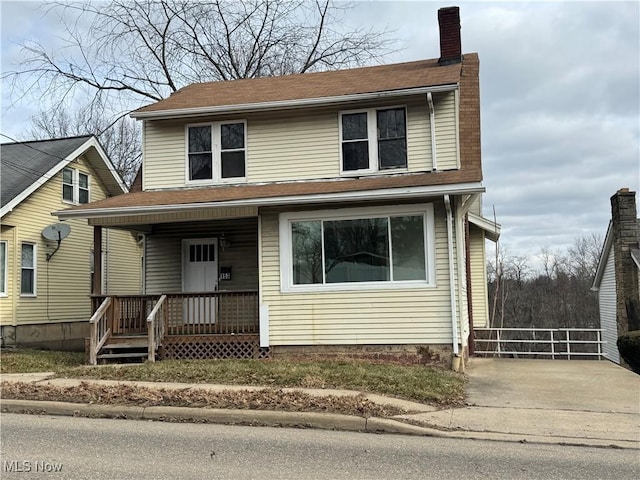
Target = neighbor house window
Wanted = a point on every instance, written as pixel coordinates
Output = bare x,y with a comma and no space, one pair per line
373,140
357,247
75,186
3,268
28,269
216,151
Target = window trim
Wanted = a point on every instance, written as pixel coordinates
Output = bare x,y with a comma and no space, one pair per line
75,184
5,244
216,153
34,268
372,141
286,254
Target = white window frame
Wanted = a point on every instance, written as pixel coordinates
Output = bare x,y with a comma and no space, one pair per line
372,140
4,245
216,153
286,253
75,179
34,268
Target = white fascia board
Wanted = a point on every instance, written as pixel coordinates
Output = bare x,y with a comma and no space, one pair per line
287,104
381,194
492,228
604,256
91,142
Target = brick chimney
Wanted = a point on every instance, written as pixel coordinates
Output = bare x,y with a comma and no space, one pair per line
450,44
624,228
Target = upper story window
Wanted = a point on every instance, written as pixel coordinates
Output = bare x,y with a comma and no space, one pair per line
75,186
216,152
373,139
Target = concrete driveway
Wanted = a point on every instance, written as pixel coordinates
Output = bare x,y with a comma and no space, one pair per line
593,386
559,401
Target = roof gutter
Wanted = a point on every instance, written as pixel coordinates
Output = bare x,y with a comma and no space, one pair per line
287,104
396,193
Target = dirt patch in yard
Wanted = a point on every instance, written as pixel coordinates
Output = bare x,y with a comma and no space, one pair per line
267,399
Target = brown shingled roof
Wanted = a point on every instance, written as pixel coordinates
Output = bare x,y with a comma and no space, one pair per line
242,192
382,78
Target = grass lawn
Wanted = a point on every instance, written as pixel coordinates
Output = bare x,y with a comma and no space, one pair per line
413,382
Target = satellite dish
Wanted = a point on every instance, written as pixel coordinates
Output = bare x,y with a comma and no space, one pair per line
56,232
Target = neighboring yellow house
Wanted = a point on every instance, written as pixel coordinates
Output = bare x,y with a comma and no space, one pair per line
45,286
333,213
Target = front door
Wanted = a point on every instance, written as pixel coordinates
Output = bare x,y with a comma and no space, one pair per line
200,274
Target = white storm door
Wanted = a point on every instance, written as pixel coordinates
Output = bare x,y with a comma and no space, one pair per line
200,274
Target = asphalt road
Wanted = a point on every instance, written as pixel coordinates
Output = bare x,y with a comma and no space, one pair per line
46,447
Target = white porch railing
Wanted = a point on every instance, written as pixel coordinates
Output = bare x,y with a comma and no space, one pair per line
557,343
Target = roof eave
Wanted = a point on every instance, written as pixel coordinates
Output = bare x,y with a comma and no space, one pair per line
283,200
602,260
286,104
492,229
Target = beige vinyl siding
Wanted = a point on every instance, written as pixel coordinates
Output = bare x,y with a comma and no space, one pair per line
607,305
163,259
63,283
372,316
123,257
299,145
479,294
446,138
7,301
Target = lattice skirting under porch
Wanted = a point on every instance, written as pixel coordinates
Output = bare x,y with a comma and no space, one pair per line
195,347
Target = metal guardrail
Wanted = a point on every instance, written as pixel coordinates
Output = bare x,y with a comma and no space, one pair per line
558,341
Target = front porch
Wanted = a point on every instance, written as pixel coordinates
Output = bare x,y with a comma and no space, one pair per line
220,324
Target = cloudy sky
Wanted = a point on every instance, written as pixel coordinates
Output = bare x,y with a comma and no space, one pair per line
560,100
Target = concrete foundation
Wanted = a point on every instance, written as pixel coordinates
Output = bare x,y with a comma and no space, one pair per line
440,355
68,336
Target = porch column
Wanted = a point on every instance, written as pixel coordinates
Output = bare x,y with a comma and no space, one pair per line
97,260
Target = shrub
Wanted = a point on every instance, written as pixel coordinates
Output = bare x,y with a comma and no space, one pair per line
629,348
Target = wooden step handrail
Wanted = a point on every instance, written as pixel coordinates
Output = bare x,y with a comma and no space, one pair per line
99,330
155,328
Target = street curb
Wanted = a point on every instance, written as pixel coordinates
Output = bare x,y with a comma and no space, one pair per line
270,418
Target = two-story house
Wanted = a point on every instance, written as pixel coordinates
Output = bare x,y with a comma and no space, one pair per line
46,267
333,213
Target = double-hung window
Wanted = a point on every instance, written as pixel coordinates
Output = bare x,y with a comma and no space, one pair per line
28,270
373,140
3,268
216,152
358,248
75,186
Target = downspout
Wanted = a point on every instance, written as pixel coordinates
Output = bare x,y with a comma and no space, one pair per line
432,127
454,309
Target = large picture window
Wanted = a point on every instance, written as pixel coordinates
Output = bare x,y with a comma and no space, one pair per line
358,247
216,151
28,269
373,140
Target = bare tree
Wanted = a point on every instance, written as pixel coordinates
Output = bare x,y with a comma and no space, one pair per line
121,141
126,53
120,55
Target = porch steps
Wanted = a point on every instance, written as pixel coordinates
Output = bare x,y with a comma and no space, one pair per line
124,349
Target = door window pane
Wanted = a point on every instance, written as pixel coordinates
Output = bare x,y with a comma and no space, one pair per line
306,240
356,250
407,240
